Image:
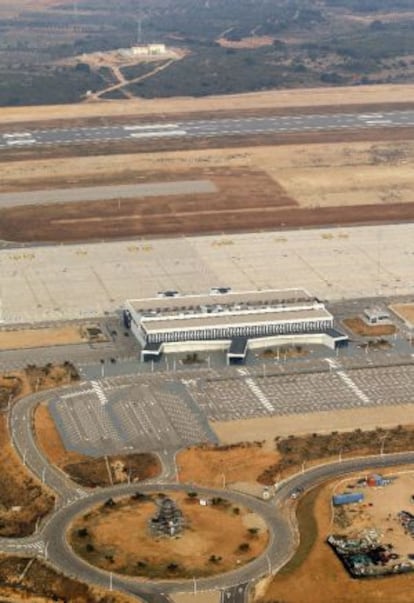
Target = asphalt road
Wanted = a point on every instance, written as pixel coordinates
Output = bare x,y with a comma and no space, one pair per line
50,540
205,128
235,594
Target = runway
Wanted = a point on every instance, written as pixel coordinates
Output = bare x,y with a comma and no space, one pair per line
247,126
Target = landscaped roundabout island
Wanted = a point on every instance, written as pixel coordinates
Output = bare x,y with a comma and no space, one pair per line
171,535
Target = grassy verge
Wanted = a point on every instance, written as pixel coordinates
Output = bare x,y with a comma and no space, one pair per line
308,530
316,447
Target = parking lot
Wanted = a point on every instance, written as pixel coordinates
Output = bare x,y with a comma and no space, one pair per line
226,399
160,411
104,417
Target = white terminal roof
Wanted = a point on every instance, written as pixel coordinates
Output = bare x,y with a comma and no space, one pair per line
227,309
205,321
196,303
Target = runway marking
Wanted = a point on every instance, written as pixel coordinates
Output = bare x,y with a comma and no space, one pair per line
18,135
20,141
217,127
152,127
158,134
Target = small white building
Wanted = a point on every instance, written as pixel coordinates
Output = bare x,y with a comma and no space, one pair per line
375,315
148,49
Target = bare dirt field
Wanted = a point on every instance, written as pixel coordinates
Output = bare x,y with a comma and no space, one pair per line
200,550
205,596
247,430
404,311
35,338
317,571
91,472
359,327
258,188
208,466
250,42
311,97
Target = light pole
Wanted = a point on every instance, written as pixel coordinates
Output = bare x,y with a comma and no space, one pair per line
194,586
269,565
43,475
110,581
382,439
340,455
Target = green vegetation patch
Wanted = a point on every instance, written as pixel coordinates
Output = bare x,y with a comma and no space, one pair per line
296,450
308,530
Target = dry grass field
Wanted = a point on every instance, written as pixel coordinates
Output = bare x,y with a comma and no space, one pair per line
22,500
42,584
259,187
404,311
380,95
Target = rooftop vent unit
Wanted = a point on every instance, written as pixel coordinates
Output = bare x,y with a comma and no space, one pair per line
167,293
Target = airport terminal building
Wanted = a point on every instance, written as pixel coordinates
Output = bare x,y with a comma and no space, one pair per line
227,319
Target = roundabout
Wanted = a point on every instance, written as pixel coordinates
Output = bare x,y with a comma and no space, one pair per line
169,535
50,541
63,556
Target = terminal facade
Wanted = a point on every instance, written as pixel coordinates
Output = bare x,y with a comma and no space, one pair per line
227,319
